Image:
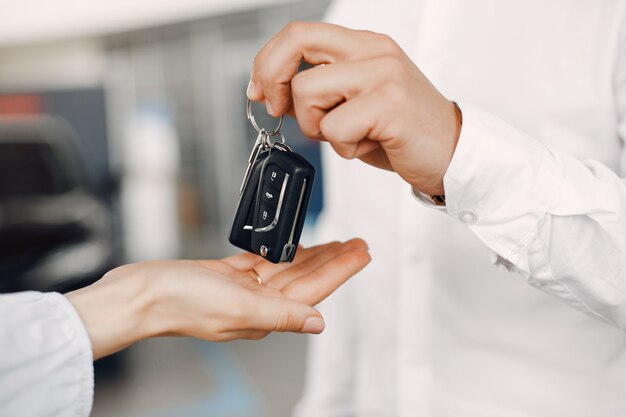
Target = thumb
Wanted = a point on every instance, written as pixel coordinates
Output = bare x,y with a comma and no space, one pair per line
282,315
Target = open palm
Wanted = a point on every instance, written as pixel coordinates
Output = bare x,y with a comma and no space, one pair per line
222,300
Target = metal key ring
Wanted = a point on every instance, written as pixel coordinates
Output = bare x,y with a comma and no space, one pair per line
256,126
267,143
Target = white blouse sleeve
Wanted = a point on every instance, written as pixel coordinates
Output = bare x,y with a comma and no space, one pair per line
46,363
558,220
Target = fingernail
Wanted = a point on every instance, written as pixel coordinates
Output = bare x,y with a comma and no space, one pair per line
250,92
313,325
268,107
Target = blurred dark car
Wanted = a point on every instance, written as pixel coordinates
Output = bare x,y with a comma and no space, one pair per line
55,223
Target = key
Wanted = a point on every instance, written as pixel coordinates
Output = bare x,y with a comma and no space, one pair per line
285,186
273,198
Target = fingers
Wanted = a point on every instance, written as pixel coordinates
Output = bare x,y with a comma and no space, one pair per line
273,314
316,43
254,92
321,257
318,90
349,125
321,282
267,270
349,91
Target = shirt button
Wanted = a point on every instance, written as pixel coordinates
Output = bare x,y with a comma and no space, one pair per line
468,217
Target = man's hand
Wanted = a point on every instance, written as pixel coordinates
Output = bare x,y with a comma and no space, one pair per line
215,300
369,100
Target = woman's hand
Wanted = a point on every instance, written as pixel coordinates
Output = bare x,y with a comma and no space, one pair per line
216,300
369,100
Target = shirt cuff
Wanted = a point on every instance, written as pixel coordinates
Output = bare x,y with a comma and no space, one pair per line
500,183
83,361
426,200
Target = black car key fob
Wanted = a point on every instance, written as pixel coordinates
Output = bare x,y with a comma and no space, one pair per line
280,208
273,199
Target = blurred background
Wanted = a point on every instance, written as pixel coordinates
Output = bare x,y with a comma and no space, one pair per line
123,137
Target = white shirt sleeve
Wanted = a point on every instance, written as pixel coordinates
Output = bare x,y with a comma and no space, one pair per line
558,220
46,363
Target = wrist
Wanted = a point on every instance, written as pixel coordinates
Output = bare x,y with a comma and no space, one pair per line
434,185
116,310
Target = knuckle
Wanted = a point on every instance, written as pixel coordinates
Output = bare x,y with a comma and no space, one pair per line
328,129
263,76
386,44
311,129
285,322
345,151
262,71
299,84
257,66
311,132
295,29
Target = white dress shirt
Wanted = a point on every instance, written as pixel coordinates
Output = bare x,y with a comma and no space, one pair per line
510,302
46,364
